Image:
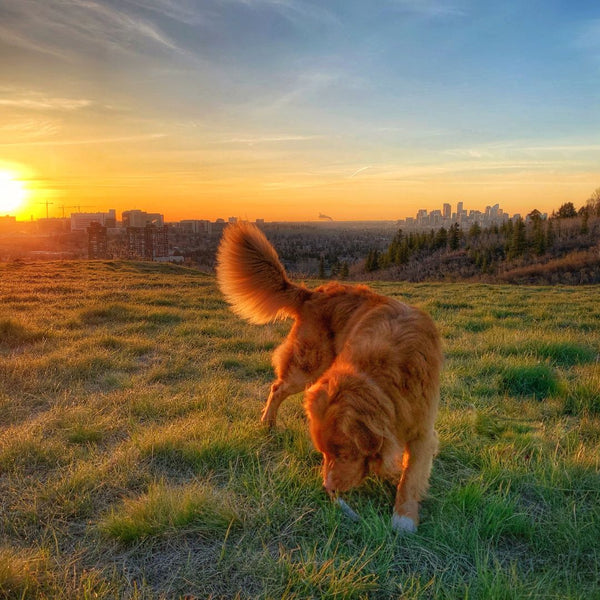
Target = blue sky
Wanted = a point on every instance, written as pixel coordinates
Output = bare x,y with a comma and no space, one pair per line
286,108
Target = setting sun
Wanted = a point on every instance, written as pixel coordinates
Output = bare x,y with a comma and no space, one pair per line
12,193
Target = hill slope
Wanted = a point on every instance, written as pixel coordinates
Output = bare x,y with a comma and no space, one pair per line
133,465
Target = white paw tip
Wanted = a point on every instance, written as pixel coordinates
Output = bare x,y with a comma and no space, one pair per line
403,524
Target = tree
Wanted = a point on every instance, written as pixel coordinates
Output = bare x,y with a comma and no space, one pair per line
585,217
535,215
594,202
566,211
518,242
474,231
539,237
454,241
372,263
441,238
321,268
550,235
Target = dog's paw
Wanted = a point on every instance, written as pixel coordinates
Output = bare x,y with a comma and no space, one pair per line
403,524
268,420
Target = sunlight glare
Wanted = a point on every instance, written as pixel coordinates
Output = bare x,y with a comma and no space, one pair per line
12,193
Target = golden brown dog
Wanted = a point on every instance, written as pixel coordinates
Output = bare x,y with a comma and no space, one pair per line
372,364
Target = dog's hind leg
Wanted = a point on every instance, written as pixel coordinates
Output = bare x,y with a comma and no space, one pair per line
417,461
280,390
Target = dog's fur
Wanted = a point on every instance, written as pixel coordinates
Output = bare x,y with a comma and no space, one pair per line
372,364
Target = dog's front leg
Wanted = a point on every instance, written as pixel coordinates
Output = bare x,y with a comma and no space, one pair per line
417,461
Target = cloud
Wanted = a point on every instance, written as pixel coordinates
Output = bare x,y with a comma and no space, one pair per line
359,171
517,149
71,28
38,101
296,12
429,8
182,11
266,139
87,141
29,128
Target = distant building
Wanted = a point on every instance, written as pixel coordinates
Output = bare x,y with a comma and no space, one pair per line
435,217
81,221
148,243
493,215
140,218
97,241
53,225
422,217
195,226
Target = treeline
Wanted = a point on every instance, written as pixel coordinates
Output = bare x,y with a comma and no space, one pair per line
564,248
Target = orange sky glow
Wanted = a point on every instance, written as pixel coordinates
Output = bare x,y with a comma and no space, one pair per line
285,110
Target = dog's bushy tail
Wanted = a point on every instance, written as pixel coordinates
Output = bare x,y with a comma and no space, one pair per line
253,279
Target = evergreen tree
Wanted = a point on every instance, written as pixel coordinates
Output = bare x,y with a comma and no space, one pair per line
372,263
441,238
403,252
566,211
584,222
474,231
454,241
549,235
539,238
321,268
518,242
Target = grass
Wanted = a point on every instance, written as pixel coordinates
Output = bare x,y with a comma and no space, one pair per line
133,465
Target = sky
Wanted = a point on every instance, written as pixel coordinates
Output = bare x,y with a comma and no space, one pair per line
284,109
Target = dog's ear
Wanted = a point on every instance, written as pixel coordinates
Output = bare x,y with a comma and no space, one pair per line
317,400
368,441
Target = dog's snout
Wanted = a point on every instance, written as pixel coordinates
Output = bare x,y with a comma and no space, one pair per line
328,483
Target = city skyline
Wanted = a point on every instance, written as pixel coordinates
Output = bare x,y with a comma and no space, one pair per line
138,218
285,109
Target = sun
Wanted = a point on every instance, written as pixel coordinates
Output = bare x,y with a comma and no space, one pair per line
12,193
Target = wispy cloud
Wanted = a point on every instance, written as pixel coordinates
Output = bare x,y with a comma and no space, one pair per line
517,149
72,27
268,139
430,8
39,101
359,171
182,11
295,11
88,141
29,128
124,23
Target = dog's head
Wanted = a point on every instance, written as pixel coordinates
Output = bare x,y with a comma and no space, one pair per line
350,425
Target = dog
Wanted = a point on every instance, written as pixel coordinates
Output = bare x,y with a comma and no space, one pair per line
370,366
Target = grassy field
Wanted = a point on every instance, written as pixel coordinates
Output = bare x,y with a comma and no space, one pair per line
133,464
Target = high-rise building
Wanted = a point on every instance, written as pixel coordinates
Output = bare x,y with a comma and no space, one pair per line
97,241
195,226
140,218
81,221
149,242
447,212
